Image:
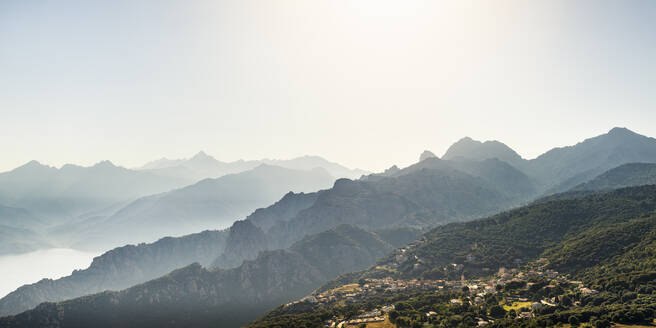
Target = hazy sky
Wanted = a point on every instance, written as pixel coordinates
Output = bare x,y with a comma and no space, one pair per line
365,83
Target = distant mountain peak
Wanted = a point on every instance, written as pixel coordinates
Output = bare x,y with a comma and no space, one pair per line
621,131
33,165
202,155
462,143
104,164
468,148
615,137
425,155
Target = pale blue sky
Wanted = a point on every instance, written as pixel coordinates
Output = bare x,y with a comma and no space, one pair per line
366,83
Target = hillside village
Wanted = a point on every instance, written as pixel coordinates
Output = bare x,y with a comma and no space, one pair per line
531,277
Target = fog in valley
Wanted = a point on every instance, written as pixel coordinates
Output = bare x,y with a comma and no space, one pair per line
18,270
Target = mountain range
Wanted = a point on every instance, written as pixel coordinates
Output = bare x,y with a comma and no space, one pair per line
228,296
423,195
120,268
473,179
202,166
426,194
605,241
200,297
35,197
208,204
78,206
54,195
561,169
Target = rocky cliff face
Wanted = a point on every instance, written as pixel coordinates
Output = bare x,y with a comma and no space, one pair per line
245,241
120,268
194,296
247,237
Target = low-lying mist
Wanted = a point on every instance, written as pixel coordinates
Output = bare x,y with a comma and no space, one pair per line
18,270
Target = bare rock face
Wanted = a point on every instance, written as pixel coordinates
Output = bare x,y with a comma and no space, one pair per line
245,242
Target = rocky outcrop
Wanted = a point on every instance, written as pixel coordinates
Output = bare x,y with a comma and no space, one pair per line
245,242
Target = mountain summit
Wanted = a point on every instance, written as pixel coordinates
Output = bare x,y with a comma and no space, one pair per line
426,155
573,165
468,148
202,156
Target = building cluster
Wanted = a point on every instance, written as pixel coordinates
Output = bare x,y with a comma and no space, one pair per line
376,315
375,286
478,289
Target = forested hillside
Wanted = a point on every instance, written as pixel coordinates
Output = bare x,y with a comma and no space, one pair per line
588,259
627,175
